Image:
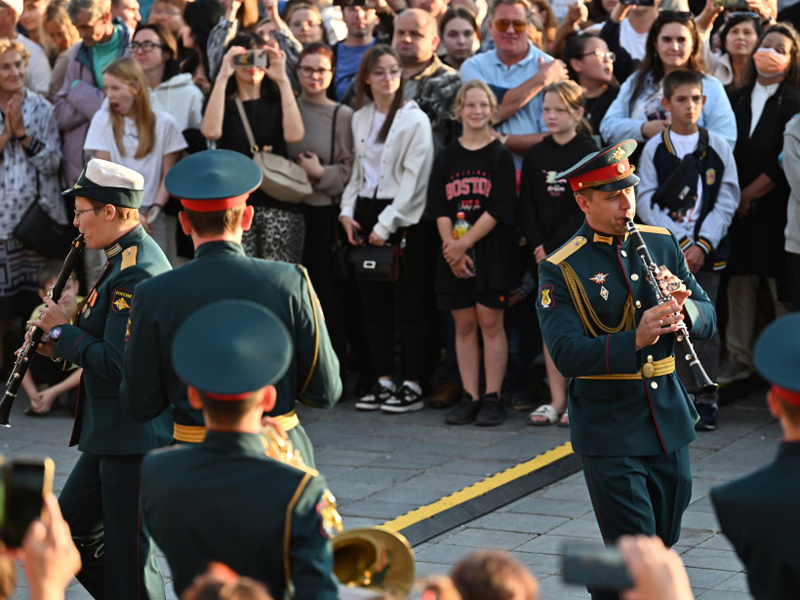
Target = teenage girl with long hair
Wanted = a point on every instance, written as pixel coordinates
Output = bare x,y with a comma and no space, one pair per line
130,133
550,214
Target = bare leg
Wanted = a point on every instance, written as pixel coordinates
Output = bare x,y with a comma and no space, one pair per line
495,347
467,351
558,384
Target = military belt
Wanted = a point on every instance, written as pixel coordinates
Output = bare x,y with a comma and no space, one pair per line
665,366
194,434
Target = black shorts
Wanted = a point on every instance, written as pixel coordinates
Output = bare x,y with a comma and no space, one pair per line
467,299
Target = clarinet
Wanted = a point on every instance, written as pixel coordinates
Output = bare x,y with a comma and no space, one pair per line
26,353
704,384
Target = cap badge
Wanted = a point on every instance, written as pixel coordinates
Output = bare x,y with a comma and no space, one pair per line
618,154
620,168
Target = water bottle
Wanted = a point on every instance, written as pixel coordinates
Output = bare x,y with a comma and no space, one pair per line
460,228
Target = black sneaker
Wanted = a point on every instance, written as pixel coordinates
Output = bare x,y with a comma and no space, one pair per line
492,412
464,412
708,416
403,401
377,396
522,401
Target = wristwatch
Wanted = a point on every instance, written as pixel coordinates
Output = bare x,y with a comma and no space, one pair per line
55,333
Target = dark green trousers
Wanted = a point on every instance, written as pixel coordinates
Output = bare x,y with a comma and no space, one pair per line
639,495
100,501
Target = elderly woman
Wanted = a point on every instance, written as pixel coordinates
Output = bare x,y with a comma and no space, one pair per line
30,150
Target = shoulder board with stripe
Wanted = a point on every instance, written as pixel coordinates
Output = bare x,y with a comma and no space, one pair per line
567,250
652,229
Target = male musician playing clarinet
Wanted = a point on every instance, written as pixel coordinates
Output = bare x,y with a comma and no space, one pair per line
631,420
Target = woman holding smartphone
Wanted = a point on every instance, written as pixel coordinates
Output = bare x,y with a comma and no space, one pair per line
270,107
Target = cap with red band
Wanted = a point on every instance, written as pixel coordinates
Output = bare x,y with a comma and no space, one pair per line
607,170
777,357
213,180
231,348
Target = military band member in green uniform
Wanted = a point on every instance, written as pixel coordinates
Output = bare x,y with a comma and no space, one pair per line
224,500
213,187
758,513
100,500
630,418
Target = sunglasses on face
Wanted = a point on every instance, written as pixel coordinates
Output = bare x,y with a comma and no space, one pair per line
503,25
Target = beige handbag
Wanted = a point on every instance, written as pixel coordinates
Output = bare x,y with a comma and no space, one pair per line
282,179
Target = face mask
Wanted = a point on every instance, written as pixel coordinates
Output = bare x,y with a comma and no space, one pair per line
769,63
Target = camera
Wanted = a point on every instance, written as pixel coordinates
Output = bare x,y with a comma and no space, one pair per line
596,567
252,58
23,484
638,2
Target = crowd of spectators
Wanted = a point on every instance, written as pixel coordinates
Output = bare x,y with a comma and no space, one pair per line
377,101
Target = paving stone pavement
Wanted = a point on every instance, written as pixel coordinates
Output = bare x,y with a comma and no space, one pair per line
381,466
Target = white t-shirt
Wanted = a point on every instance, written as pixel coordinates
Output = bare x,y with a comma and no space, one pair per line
683,145
168,139
632,40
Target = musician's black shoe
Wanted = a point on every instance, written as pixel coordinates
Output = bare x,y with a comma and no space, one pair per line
708,416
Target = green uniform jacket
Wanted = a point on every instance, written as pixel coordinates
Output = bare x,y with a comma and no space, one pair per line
757,513
634,417
97,342
219,271
223,500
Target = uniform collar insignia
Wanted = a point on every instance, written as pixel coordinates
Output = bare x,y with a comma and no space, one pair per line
606,239
599,278
113,250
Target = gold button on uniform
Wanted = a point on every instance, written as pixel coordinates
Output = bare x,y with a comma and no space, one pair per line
654,385
634,277
638,304
624,254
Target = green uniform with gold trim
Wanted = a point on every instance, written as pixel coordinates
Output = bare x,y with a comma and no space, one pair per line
100,498
223,500
630,418
221,271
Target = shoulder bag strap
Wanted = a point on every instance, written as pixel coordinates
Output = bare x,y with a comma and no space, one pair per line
249,132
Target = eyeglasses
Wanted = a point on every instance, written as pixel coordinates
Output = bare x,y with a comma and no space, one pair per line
601,54
392,73
145,47
503,24
309,71
78,213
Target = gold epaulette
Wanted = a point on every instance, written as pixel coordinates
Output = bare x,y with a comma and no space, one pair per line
652,229
567,250
129,257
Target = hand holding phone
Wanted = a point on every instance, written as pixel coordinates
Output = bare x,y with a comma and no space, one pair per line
252,58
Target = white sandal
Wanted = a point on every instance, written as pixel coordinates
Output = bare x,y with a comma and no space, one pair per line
546,411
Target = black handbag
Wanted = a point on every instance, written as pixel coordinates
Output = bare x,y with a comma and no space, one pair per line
38,231
378,263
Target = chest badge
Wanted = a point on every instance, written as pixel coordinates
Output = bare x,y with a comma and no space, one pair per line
599,278
604,293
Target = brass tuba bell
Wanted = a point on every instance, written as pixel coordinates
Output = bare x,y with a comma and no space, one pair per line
375,559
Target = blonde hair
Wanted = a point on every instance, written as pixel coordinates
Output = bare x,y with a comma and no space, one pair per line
127,70
461,98
56,12
7,45
571,95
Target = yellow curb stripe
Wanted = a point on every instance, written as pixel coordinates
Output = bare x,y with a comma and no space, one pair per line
478,489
